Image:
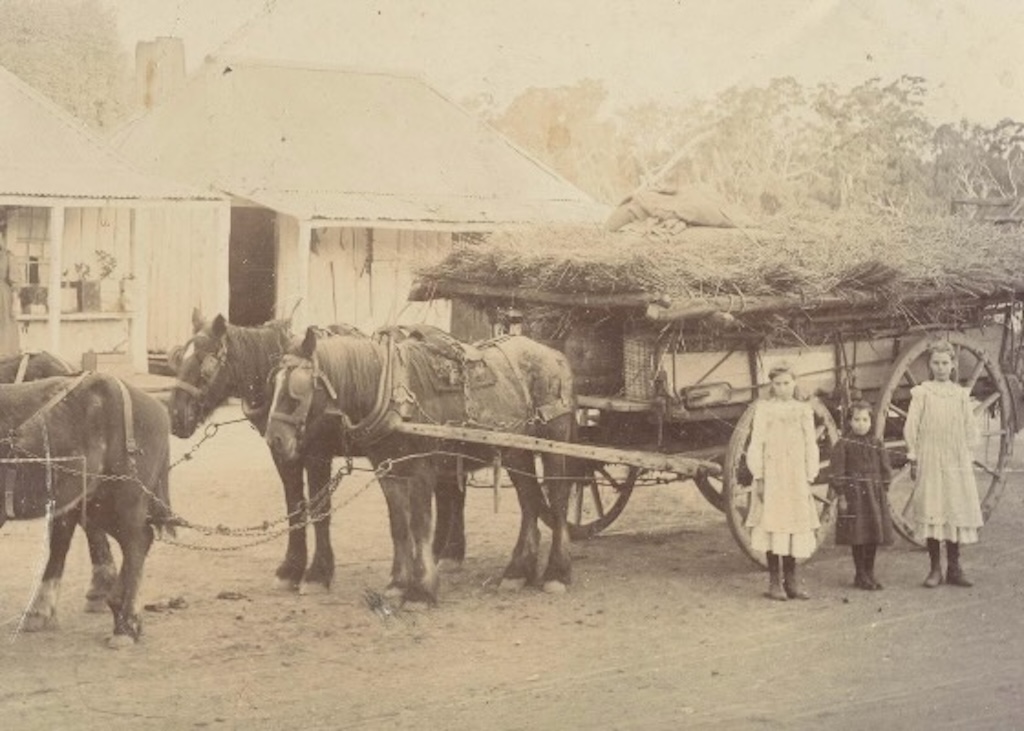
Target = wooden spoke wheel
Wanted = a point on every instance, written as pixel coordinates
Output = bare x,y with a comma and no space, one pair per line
711,487
739,483
598,499
983,378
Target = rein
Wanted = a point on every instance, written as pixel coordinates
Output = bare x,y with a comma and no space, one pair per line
55,399
22,367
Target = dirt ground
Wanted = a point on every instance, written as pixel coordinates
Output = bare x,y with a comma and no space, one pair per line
665,627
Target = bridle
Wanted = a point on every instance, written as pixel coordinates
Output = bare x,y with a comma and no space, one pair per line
209,369
297,417
391,392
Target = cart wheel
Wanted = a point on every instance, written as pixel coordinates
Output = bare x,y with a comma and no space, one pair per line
711,487
598,499
990,395
737,496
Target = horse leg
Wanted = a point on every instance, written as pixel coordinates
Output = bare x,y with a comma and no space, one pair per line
450,530
42,612
396,494
522,567
104,571
320,573
558,574
135,539
289,573
421,521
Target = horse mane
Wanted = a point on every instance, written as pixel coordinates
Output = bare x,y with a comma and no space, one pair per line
354,364
253,352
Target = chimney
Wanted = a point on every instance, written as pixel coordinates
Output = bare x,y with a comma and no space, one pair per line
159,69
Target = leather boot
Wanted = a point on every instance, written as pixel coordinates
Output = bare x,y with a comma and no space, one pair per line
954,574
859,578
934,577
790,581
775,590
869,565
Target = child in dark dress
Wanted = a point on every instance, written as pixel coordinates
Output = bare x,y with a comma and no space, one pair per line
861,474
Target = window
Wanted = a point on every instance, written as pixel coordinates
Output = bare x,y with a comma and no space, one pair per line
28,237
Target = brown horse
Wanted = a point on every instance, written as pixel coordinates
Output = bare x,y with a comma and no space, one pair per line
223,360
100,451
31,366
512,384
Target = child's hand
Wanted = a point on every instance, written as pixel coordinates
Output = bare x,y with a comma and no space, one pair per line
842,503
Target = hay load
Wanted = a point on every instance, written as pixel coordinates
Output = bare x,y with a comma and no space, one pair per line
885,265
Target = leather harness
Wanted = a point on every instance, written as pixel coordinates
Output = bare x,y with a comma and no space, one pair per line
131,446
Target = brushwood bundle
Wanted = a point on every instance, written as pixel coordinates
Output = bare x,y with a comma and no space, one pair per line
807,260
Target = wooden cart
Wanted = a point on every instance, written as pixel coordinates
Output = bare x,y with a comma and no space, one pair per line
678,380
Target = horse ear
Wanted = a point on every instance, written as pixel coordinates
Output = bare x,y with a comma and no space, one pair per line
220,327
197,320
309,342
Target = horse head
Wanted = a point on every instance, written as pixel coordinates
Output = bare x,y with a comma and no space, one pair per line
201,383
302,393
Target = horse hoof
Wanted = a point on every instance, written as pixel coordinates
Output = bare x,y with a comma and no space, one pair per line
449,565
96,606
120,642
286,585
512,584
394,592
312,587
555,587
39,623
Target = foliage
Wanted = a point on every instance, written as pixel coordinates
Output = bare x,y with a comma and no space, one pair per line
980,162
69,50
777,148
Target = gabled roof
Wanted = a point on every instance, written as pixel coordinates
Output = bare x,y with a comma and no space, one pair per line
346,145
46,153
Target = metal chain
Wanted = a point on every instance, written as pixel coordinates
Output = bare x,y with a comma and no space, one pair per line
208,433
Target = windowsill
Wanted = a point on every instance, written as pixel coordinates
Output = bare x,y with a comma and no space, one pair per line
78,316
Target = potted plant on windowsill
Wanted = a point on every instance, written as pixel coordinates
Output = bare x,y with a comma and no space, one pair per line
110,287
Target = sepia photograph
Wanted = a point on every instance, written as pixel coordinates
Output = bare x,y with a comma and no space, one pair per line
486,365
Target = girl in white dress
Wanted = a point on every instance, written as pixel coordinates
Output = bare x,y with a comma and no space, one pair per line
783,458
940,430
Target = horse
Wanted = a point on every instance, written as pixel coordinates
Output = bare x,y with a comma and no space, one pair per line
101,451
223,360
372,386
31,366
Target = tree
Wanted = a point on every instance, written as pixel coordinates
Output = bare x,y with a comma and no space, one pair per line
875,138
68,50
972,161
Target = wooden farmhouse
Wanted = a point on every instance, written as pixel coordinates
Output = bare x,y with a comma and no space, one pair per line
341,183
82,226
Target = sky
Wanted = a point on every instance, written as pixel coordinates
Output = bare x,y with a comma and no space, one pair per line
668,50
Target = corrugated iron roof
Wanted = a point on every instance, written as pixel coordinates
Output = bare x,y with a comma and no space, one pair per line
344,145
45,152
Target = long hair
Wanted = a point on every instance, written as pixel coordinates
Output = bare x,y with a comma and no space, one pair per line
253,352
354,365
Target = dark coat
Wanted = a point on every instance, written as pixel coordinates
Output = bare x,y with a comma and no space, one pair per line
861,472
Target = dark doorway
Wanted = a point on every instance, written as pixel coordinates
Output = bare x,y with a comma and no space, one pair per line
251,266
